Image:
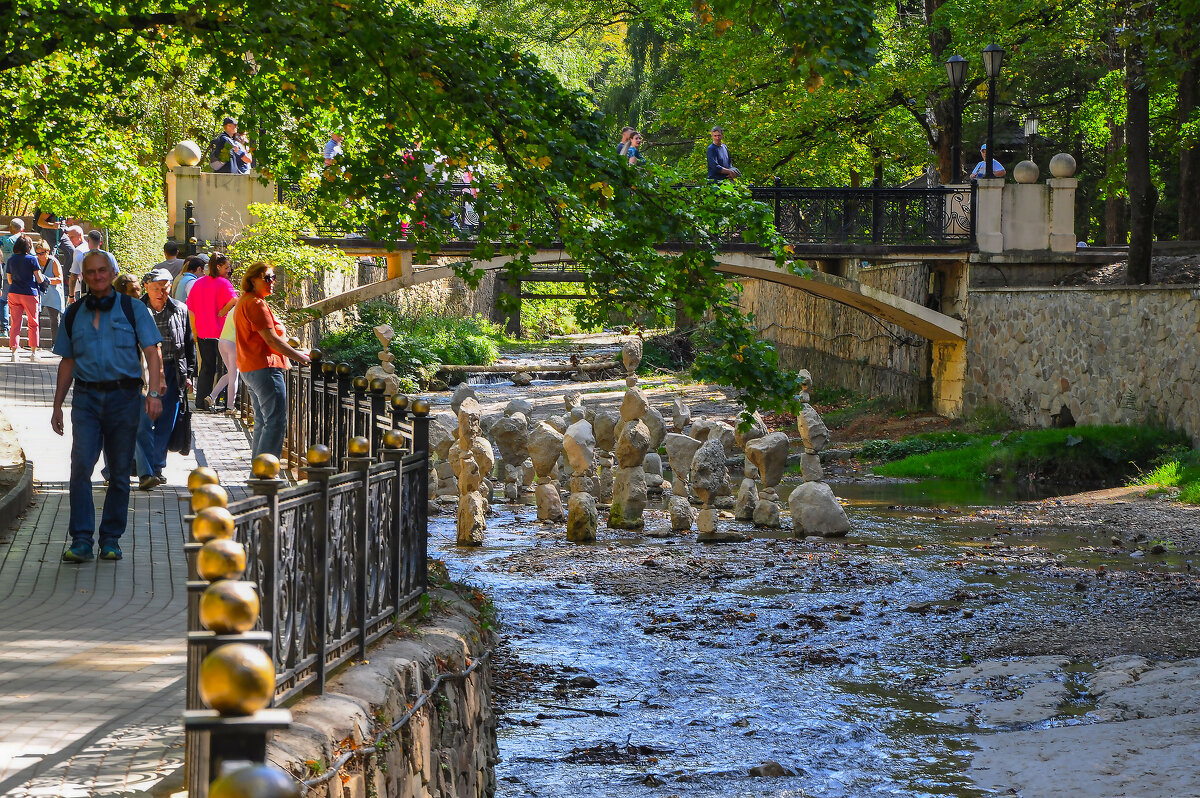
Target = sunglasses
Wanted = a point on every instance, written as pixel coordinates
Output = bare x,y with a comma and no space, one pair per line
267,278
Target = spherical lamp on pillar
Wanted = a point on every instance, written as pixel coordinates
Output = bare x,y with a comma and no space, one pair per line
956,70
993,62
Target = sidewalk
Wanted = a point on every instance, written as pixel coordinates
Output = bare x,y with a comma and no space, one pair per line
92,656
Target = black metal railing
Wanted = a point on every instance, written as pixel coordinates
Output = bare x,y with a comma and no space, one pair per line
936,216
338,561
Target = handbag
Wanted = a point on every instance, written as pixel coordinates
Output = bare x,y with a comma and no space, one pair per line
180,441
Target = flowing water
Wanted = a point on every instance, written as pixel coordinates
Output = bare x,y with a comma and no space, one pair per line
712,659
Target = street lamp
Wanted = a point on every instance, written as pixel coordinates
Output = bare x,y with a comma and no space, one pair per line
1031,129
956,70
993,60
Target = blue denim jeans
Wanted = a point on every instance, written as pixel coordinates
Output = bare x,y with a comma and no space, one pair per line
153,436
268,395
102,421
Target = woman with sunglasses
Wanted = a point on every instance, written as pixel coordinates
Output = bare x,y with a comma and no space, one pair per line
262,354
209,300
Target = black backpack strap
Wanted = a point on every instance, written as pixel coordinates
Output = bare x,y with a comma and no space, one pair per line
69,317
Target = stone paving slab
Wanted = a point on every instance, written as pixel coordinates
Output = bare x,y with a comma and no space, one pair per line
92,656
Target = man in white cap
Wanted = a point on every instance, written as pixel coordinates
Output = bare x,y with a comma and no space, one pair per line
179,368
980,169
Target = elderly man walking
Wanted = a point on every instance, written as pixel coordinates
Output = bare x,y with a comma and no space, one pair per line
179,368
99,341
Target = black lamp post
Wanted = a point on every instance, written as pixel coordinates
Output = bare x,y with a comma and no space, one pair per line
956,70
1031,130
993,60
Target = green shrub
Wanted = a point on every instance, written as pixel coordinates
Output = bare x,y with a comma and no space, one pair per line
1178,467
424,340
1101,454
542,318
138,244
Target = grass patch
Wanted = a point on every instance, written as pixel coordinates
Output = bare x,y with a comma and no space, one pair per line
1079,455
924,443
1177,468
424,340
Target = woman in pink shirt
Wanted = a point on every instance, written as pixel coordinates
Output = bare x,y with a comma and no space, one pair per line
210,299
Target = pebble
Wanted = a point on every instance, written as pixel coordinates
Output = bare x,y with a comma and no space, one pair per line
770,770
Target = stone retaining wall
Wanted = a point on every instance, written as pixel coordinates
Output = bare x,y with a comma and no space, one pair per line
447,750
844,347
1112,354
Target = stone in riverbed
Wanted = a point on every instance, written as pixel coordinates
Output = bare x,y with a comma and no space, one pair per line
769,770
634,405
631,354
681,513
472,519
579,444
545,446
681,449
810,468
582,518
815,511
463,391
707,473
522,379
604,426
813,431
572,400
747,498
558,422
766,513
769,455
628,499
658,428
681,415
511,434
442,429
549,502
633,444
519,405
757,429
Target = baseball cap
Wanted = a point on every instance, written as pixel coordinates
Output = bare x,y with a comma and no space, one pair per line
157,275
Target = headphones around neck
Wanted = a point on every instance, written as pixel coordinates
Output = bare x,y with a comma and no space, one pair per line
93,302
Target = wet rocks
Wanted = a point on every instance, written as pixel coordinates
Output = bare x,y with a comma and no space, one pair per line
815,511
522,379
472,461
707,475
631,354
681,415
628,499
747,498
545,447
681,449
582,518
681,513
769,770
769,454
462,392
579,444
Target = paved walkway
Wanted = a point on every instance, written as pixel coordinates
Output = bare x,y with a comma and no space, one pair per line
92,656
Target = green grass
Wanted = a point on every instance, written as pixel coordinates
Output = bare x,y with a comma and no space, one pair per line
424,340
1083,455
923,443
1176,468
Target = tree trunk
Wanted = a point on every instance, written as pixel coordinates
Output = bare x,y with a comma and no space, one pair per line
1189,155
1143,196
1114,203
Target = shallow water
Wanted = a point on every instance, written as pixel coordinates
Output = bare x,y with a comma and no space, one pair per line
778,649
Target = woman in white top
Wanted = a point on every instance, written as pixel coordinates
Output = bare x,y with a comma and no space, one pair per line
227,346
54,301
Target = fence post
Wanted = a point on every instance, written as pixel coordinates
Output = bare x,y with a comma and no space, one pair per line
265,482
320,470
358,459
400,404
361,425
420,445
393,455
189,226
378,386
343,428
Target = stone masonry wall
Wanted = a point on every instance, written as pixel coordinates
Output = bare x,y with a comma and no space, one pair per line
1109,354
844,347
447,750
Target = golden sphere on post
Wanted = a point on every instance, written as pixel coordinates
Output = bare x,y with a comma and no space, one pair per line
319,455
344,370
315,354
202,476
327,369
393,440
420,407
358,446
378,385
237,679
400,401
209,496
255,781
229,607
265,466
360,383
213,523
221,559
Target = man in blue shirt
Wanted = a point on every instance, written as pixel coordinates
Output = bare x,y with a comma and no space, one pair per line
99,341
980,169
719,167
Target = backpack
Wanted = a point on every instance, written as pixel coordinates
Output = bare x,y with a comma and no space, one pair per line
126,302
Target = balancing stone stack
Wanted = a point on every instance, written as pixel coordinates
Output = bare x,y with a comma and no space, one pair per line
814,508
472,460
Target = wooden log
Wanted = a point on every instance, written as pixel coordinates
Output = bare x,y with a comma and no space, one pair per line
501,368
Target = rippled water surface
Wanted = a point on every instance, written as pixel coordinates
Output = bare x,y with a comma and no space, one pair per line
714,659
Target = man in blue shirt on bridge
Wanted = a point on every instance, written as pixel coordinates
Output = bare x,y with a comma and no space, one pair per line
99,341
719,167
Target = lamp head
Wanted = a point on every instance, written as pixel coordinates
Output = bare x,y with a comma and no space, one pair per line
993,60
956,70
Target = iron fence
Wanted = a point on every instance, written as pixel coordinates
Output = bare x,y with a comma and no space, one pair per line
930,216
912,216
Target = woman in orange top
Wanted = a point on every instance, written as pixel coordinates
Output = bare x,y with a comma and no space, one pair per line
262,356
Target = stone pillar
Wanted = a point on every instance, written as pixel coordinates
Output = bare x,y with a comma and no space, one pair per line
949,371
399,264
989,204
1062,213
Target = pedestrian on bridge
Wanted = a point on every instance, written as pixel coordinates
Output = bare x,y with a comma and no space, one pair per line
719,165
262,354
980,169
99,343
